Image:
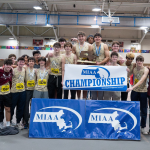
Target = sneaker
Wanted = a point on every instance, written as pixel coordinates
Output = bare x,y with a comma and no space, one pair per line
20,126
12,124
26,126
1,125
143,131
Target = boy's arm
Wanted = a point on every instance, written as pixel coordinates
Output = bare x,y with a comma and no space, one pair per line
146,71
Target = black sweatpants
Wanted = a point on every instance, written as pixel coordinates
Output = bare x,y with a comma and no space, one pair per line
73,94
29,96
124,95
1,111
54,82
18,99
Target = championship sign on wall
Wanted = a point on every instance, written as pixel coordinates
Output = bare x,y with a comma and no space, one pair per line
98,78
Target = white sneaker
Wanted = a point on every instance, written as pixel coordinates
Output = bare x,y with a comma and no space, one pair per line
1,125
143,131
20,126
12,124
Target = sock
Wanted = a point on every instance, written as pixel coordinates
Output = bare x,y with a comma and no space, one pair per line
7,123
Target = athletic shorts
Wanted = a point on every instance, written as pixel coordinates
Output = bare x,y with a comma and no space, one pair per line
6,99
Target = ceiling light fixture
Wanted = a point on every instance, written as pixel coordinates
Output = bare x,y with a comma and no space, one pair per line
94,26
11,38
37,7
96,9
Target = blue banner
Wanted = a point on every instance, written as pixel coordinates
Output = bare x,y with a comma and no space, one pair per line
112,120
91,119
51,118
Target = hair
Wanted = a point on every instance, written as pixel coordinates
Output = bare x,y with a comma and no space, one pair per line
12,55
140,58
42,59
81,33
114,54
68,44
89,37
97,34
31,58
8,62
115,42
20,58
25,56
130,55
36,52
62,39
57,44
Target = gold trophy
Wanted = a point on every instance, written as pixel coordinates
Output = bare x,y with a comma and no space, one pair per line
87,57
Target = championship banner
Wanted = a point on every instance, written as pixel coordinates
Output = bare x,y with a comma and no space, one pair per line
97,78
112,120
91,119
55,118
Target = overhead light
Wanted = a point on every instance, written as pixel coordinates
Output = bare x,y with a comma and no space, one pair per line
135,43
96,9
48,24
11,38
143,28
37,7
95,26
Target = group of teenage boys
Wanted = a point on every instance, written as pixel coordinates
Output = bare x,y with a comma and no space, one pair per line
36,77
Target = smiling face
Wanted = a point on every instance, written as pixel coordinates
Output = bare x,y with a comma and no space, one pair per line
7,68
139,63
81,38
37,56
13,59
21,63
114,58
42,63
115,48
57,49
62,43
68,48
97,39
31,63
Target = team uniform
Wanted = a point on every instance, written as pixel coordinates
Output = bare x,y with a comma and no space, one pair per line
5,96
69,60
41,90
124,95
18,93
100,56
78,49
55,77
30,80
140,94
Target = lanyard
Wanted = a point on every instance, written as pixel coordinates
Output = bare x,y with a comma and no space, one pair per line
82,47
31,74
42,75
98,51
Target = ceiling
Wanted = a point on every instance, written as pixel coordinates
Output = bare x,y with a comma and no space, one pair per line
118,7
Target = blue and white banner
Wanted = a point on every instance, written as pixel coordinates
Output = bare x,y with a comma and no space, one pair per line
112,120
97,78
51,118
